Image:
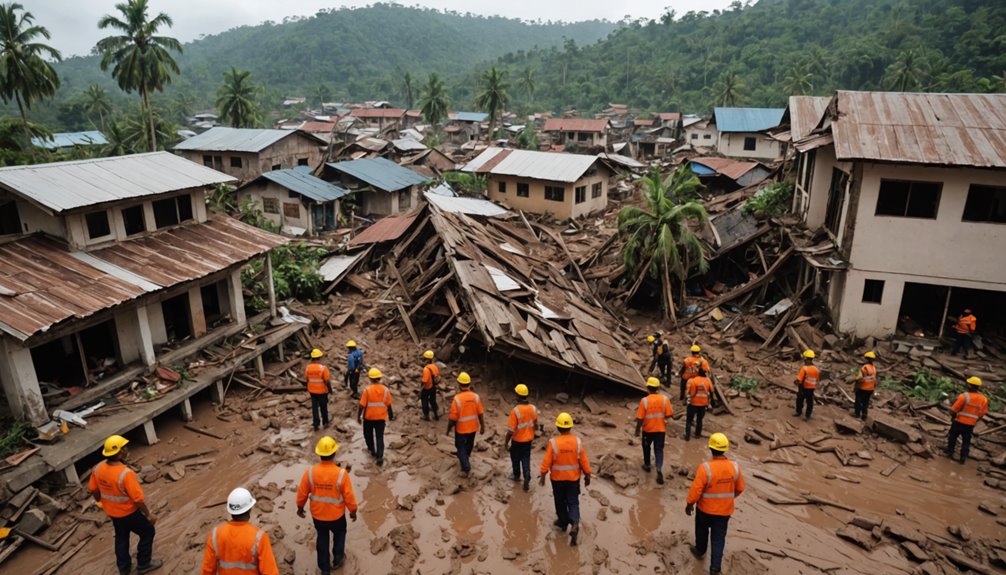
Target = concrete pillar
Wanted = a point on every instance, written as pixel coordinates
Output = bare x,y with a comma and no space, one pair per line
145,337
20,384
135,340
149,433
279,351
70,475
269,284
196,312
217,391
236,297
185,407
260,367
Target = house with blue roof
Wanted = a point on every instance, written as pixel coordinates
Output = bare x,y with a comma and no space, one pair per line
63,141
381,187
295,200
743,132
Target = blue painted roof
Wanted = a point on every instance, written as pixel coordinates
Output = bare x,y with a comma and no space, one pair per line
380,173
700,169
471,117
300,180
747,119
70,139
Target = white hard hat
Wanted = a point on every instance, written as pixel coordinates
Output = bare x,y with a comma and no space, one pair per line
240,501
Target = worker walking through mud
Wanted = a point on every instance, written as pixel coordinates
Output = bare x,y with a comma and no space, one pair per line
690,368
319,386
117,491
566,459
330,491
521,426
238,547
354,367
700,395
969,408
374,412
429,382
651,419
661,356
865,385
717,483
806,380
466,420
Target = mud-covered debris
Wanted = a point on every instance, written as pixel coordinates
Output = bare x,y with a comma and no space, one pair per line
962,531
902,533
510,554
403,538
915,553
378,544
895,430
433,511
602,514
986,508
849,426
865,523
33,521
856,535
624,480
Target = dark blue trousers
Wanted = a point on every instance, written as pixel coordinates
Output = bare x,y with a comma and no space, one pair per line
319,409
337,530
963,431
124,526
717,526
520,457
465,444
567,502
656,439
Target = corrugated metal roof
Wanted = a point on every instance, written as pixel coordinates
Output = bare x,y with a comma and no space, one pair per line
318,127
381,173
551,166
470,206
805,114
70,139
939,129
732,169
747,119
471,117
383,230
408,145
575,125
64,186
336,266
665,116
378,113
300,180
251,140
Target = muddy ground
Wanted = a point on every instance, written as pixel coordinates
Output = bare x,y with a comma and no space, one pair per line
418,516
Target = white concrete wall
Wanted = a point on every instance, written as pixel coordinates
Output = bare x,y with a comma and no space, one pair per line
282,196
732,144
35,220
75,224
537,204
155,319
20,385
700,138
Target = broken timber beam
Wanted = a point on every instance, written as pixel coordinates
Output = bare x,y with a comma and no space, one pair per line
408,323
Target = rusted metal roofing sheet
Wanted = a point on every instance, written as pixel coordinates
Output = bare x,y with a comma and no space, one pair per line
667,116
732,169
251,140
575,125
805,114
63,186
383,230
938,129
550,166
378,113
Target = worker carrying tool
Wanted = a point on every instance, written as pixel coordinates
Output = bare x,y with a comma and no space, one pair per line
319,385
429,382
690,368
238,547
865,384
970,407
717,483
466,419
661,356
354,367
965,328
117,491
330,491
700,396
520,433
375,411
651,420
565,459
806,380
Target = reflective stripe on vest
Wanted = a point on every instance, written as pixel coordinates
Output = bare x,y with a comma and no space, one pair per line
253,566
709,482
332,500
122,488
646,409
457,402
524,424
967,404
382,403
555,453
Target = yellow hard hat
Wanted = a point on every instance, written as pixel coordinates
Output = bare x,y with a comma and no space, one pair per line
350,343
809,354
316,353
521,390
719,442
974,380
652,382
696,349
326,446
428,354
113,445
464,378
374,373
870,355
564,421
650,339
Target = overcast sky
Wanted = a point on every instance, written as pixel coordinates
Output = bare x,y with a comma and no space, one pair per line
72,23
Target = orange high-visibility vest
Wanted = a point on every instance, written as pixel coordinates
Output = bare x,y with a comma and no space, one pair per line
119,489
465,411
970,407
716,484
430,373
700,390
328,488
317,377
653,410
808,376
565,458
523,418
692,365
375,401
868,378
966,324
238,548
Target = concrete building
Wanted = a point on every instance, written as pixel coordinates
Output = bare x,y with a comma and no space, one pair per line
246,153
381,187
699,132
381,118
578,133
296,201
564,185
741,132
911,191
103,263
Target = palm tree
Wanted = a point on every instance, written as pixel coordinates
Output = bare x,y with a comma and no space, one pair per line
434,101
660,241
25,75
236,99
728,89
408,90
799,80
118,141
493,98
96,102
907,71
142,60
526,83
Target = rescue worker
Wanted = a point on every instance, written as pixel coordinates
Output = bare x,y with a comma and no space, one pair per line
520,433
429,381
700,395
970,406
865,385
117,490
374,412
661,356
806,380
328,487
965,328
565,459
717,483
354,367
319,385
466,420
651,419
238,547
690,368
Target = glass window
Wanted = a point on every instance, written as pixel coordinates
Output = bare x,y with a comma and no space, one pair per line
596,190
908,199
873,291
235,162
523,190
301,161
97,225
207,160
695,136
555,194
501,187
270,205
291,210
750,144
985,204
132,220
171,211
580,194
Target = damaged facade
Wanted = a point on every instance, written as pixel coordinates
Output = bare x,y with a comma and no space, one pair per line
294,200
246,153
742,132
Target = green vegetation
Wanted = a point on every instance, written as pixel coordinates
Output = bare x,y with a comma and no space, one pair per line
923,385
295,275
467,184
743,383
771,201
237,100
493,98
13,438
434,101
